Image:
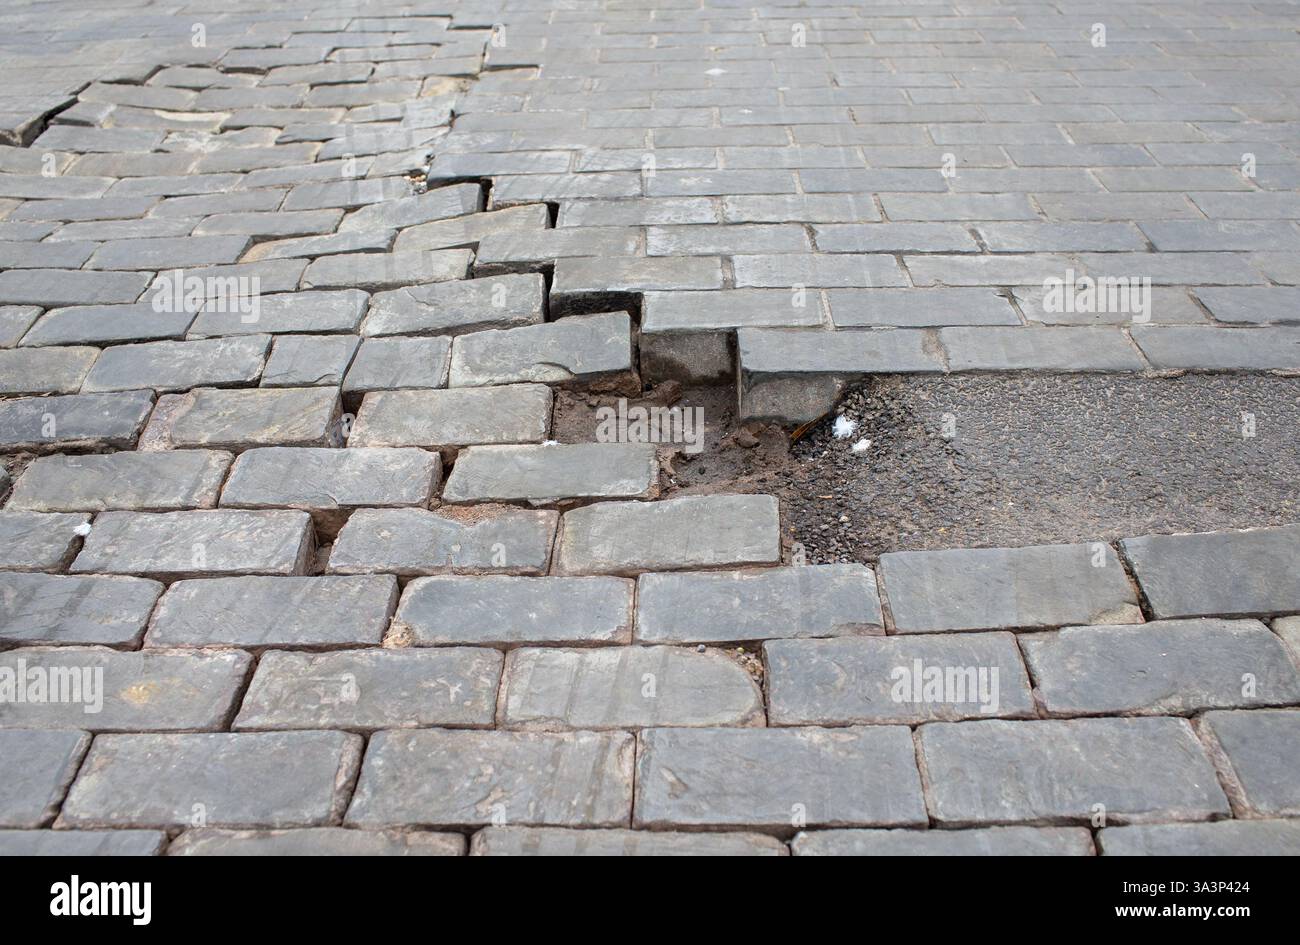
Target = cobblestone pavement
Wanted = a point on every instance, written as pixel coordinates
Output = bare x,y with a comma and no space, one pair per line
289,560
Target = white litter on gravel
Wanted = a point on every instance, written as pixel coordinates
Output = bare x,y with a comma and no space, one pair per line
844,427
861,446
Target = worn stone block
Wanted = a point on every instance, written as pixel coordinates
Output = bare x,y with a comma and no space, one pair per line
39,541
1218,838
82,842
55,608
314,841
548,474
238,419
42,765
449,419
578,349
178,365
397,364
507,301
988,841
76,422
45,370
1259,748
557,841
142,482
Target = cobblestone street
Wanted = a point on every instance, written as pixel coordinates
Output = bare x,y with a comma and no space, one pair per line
364,488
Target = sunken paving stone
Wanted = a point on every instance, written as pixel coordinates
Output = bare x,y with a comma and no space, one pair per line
244,779
142,482
179,365
398,364
39,541
508,301
730,606
1006,588
301,312
418,541
1170,667
626,687
240,419
76,422
378,271
471,230
309,360
1220,838
557,841
82,842
30,792
1218,573
364,690
104,690
872,680
107,324
309,612
332,480
447,419
777,779
1262,750
313,841
551,473
1054,772
199,543
674,534
45,370
502,610
456,778
55,608
986,841
578,349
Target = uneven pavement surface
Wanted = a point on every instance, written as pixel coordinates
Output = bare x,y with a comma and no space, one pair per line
300,554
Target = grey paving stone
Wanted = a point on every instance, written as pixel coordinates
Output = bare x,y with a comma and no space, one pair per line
239,419
1006,588
1040,349
178,365
82,421
507,301
32,789
107,324
66,254
728,308
378,271
663,211
1288,628
83,140
870,680
894,238
378,240
797,208
626,687
555,473
51,288
417,541
770,351
821,271
777,778
264,225
580,277
446,419
1219,838
348,194
304,612
82,842
383,364
957,207
1162,305
15,320
33,186
444,778
1061,237
470,230
581,348
228,160
314,841
364,690
733,606
919,308
45,370
1136,769
38,541
106,690
199,543
557,841
440,203
169,253
1259,747
318,311
142,482
1218,573
86,209
329,481
1252,304
515,250
309,360
56,608
986,841
674,534
1167,667
502,610
1210,348
244,779
531,188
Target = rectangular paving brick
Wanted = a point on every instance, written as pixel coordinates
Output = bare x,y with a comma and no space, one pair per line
1218,573
255,611
1219,838
776,779
245,779
397,363
105,690
318,311
1137,769
143,482
1039,349
689,532
179,365
363,690
986,841
238,419
39,541
1211,348
503,610
997,588
872,680
51,288
506,301
315,841
557,841
30,792
45,370
1258,748
766,603
580,349
1166,667
447,419
63,609
198,543
547,474
444,778
82,842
